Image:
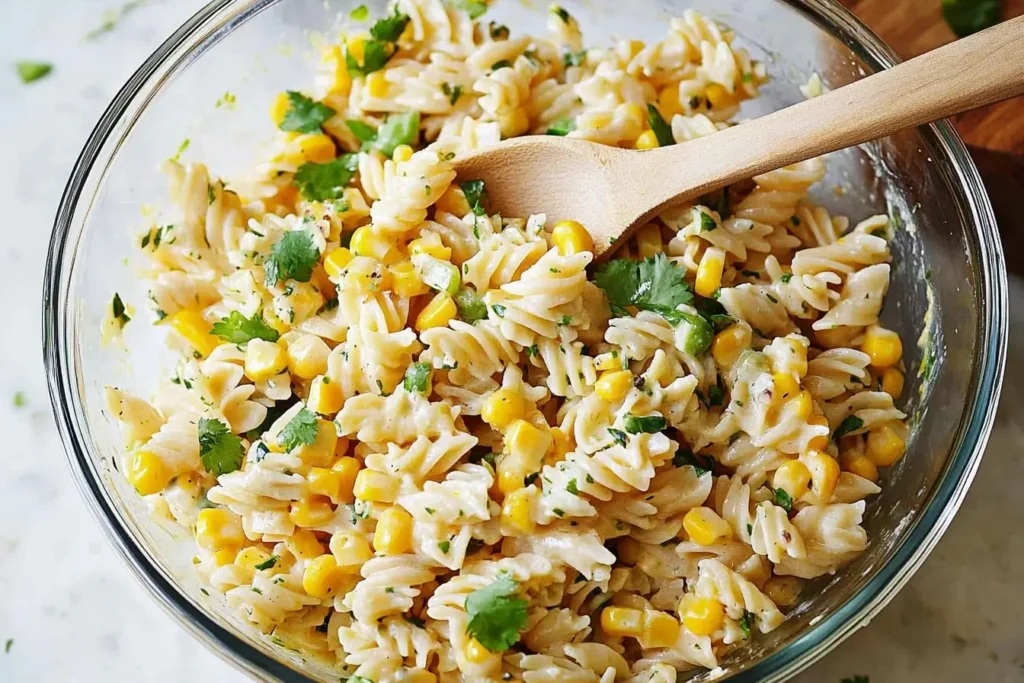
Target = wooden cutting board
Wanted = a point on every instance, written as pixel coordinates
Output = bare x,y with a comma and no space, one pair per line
995,134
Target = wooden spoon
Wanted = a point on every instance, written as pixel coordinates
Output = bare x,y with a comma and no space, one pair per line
613,191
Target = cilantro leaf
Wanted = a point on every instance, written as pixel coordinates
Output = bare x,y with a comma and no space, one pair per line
970,16
495,616
302,430
476,195
375,55
417,377
619,436
238,329
701,464
220,451
661,129
562,128
326,181
784,500
304,115
474,8
654,284
32,71
850,423
471,307
117,308
648,424
398,129
746,624
291,258
707,221
390,29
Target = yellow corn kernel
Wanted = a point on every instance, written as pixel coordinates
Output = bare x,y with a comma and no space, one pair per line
189,482
515,511
648,240
632,111
883,346
249,557
514,123
709,272
622,621
148,473
350,550
377,84
502,408
802,405
608,361
660,630
264,359
438,313
529,442
719,96
193,327
320,453
307,356
820,441
453,201
571,238
784,591
892,382
431,245
701,616
599,120
647,140
824,473
356,46
318,148
668,101
614,385
322,577
348,468
476,653
375,486
279,106
562,444
325,396
885,446
729,344
224,557
364,274
310,512
786,386
325,482
336,260
859,465
402,153
334,60
704,526
304,545
405,281
393,535
793,477
366,242
218,528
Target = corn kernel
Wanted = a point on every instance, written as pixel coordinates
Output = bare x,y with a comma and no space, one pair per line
377,84
819,442
608,361
264,359
562,445
193,327
571,238
704,526
647,140
320,453
350,550
310,512
224,557
476,653
529,442
322,577
883,346
356,46
793,477
701,616
786,386
366,242
375,486
668,101
502,408
279,107
250,557
622,621
148,473
801,405
453,201
885,446
632,111
730,343
709,272
405,281
824,474
719,96
325,482
515,511
307,356
438,313
402,153
347,468
335,60
859,465
336,260
304,545
325,396
660,630
784,591
393,535
614,385
317,148
892,382
365,275
431,245
218,528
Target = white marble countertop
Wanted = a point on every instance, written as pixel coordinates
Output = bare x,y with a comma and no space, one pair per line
69,611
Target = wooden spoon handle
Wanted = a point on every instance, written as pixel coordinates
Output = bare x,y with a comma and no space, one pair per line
969,73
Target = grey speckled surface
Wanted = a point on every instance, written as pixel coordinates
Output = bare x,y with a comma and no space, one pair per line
71,608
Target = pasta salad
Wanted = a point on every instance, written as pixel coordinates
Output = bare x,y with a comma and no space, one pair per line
432,443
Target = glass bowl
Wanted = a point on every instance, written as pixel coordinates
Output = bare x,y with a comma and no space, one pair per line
948,287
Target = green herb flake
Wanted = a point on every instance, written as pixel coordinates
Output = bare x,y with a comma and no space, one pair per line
361,13
220,451
786,277
453,93
701,465
562,127
20,400
293,257
444,546
301,430
654,284
661,129
501,64
470,305
474,8
532,351
237,329
649,424
562,14
268,563
8,645
850,423
417,378
619,436
707,221
572,488
30,72
177,156
119,314
747,624
226,100
476,195
304,115
495,616
784,500
326,182
499,310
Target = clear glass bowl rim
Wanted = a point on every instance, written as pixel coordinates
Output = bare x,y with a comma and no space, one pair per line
220,17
